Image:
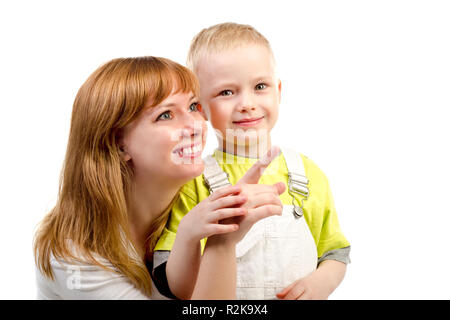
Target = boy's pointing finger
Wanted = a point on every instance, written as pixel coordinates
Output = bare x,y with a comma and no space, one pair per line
253,175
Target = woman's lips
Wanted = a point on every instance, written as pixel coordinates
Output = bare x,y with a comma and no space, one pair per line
250,122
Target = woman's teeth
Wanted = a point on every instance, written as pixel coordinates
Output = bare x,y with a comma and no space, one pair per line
189,150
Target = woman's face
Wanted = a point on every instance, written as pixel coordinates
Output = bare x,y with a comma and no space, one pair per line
165,142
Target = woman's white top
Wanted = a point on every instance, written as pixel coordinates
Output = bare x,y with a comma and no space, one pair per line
84,281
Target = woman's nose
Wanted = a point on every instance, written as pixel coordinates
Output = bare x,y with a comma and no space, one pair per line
192,126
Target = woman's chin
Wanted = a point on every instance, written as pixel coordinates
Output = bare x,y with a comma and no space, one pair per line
189,171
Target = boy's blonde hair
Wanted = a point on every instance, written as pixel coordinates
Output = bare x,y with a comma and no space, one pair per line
221,37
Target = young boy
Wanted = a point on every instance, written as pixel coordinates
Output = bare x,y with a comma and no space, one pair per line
301,254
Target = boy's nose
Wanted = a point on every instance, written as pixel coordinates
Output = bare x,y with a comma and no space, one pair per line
246,103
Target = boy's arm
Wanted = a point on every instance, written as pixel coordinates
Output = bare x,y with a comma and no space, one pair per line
341,254
330,273
332,244
333,249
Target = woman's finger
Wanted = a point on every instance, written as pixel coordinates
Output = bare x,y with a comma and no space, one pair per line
222,228
228,201
226,213
225,191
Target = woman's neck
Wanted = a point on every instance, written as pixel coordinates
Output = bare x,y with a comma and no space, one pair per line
147,201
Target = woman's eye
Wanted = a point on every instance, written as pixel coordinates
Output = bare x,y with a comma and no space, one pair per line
164,116
261,86
194,107
226,93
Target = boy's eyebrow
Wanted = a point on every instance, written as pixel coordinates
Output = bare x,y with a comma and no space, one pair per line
262,78
223,84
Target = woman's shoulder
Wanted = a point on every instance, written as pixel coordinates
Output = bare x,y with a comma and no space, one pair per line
77,278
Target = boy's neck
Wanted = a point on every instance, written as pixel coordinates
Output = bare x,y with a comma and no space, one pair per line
251,150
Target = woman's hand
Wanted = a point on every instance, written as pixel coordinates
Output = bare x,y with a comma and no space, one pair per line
203,220
263,200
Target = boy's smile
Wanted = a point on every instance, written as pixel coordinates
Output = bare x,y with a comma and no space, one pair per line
239,90
249,122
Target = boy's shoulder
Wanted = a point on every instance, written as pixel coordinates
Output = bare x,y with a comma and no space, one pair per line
312,170
318,180
196,189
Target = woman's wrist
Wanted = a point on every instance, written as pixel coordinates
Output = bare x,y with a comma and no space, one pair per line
221,241
184,235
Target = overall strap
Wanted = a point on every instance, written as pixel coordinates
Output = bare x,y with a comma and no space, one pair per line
213,175
297,180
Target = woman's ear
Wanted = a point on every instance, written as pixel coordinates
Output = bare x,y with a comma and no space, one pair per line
123,153
122,147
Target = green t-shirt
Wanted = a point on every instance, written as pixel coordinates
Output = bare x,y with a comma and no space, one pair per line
319,211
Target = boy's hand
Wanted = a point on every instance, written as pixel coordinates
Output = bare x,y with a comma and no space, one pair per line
318,285
263,200
308,288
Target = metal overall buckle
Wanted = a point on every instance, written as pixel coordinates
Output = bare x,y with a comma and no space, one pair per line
298,183
217,181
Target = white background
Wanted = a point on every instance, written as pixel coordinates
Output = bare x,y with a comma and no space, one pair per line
366,88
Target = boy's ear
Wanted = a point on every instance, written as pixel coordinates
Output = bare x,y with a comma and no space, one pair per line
279,90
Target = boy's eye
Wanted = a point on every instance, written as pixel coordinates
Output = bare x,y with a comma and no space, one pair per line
226,93
164,116
194,107
260,86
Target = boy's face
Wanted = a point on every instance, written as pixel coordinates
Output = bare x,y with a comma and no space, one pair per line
239,89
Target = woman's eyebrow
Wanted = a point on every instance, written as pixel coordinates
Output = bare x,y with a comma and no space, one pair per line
165,105
168,105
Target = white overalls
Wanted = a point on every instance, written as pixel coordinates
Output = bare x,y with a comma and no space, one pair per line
279,249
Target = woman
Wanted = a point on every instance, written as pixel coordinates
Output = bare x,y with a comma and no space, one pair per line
136,136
